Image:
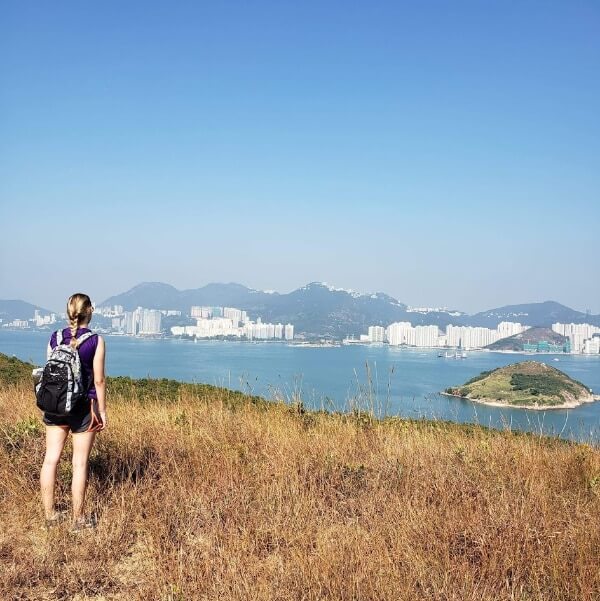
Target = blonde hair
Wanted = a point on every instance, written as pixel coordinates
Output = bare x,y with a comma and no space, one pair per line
79,310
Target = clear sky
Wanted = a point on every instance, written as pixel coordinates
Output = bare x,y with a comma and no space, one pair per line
447,153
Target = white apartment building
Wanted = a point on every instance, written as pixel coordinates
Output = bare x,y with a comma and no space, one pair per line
398,333
470,337
222,326
210,328
376,334
236,315
150,320
506,329
578,334
132,322
16,323
142,322
201,312
43,320
591,346
403,333
265,331
207,328
110,311
427,336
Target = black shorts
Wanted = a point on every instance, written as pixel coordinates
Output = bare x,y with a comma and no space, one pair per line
86,419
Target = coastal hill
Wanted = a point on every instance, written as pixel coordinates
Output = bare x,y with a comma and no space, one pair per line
18,309
528,384
542,314
206,493
316,309
323,310
532,336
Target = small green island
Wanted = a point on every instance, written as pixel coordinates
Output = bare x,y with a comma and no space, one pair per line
528,384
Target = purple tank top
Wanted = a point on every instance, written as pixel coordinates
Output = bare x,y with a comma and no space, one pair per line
87,350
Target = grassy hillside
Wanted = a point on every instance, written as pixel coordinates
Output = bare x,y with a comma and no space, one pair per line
203,493
524,384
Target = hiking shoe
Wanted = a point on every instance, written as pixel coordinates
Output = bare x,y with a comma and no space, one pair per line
55,520
85,523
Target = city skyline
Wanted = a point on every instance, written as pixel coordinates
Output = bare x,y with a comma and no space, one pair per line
233,323
410,148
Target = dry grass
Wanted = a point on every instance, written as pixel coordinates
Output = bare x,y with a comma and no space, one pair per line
201,498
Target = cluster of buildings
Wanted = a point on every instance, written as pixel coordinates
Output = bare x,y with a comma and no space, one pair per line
236,315
222,322
584,338
38,321
17,323
215,322
210,322
426,310
466,337
140,322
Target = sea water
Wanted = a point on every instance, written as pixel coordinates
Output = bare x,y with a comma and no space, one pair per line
387,380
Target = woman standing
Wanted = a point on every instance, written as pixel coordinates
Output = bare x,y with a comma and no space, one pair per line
87,418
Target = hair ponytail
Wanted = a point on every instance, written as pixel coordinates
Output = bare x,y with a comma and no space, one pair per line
79,310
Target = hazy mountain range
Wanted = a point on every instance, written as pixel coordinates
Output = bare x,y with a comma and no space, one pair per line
318,309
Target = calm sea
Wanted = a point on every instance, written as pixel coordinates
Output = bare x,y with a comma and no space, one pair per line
392,380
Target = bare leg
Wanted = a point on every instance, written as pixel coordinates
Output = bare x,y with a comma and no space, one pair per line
55,441
82,445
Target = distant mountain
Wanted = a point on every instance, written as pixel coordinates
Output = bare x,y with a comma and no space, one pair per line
532,314
18,309
156,295
320,310
151,295
316,309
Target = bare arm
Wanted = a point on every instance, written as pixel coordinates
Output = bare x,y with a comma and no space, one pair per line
99,379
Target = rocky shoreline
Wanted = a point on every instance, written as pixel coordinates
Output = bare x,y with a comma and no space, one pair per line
495,403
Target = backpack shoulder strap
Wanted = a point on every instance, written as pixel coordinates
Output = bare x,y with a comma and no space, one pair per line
85,337
59,337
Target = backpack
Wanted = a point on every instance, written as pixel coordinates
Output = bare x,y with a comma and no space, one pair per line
61,385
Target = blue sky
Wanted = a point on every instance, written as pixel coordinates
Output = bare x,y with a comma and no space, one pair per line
447,153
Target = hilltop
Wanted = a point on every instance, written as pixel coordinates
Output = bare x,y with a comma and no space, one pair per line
541,338
542,314
528,384
18,309
203,493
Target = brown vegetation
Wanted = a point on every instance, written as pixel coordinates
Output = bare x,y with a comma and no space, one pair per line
202,497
